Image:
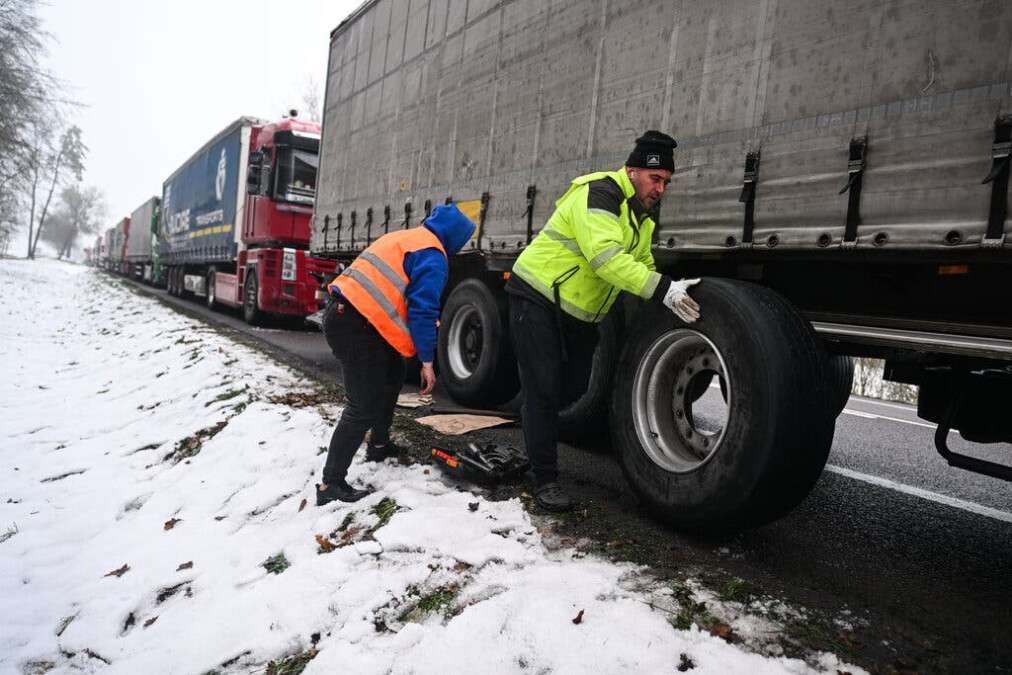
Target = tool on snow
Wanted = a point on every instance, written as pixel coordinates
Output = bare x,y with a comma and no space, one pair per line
490,463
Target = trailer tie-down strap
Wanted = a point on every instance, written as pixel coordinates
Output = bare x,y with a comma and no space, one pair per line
998,178
855,181
748,195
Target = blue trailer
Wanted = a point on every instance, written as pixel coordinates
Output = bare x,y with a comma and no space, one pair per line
202,202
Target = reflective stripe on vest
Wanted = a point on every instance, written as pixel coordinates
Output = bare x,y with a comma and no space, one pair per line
375,284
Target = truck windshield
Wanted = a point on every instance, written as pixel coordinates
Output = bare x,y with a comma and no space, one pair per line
296,176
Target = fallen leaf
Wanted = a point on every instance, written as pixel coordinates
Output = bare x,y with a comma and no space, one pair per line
302,505
326,545
118,572
219,517
472,506
579,618
185,566
721,630
150,621
347,535
171,523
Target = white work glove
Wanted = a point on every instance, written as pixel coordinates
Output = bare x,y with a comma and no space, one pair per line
678,301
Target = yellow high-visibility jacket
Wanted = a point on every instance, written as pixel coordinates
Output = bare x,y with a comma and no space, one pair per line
592,247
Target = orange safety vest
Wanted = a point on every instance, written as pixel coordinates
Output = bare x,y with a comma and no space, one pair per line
375,283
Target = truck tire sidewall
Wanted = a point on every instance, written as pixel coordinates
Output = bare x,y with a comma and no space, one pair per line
770,384
588,414
493,378
840,378
251,312
210,290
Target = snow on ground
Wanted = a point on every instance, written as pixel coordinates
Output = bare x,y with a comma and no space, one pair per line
152,520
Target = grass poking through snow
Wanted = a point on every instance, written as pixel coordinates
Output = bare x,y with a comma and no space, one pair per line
276,564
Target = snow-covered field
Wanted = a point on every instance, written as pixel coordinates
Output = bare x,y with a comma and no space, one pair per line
153,519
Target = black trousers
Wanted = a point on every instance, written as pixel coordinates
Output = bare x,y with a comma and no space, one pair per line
548,382
373,374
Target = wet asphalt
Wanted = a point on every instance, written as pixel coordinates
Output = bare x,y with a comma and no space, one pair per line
904,564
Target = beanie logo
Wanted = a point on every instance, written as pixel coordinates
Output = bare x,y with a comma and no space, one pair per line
653,160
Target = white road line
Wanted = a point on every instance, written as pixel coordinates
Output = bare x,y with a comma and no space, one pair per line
972,507
872,401
874,416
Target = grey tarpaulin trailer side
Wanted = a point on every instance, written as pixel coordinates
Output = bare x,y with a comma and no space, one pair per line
845,163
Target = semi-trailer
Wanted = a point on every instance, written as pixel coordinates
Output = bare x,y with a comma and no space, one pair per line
142,255
105,258
841,187
118,249
235,217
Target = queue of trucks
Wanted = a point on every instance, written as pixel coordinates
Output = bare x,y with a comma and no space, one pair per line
231,226
840,187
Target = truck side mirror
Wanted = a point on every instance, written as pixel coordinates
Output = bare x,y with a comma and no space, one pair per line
264,186
253,179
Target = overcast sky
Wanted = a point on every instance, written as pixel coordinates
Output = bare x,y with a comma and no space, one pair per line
159,77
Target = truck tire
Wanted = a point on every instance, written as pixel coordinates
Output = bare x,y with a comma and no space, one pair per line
588,414
475,358
174,282
209,288
765,455
840,380
251,312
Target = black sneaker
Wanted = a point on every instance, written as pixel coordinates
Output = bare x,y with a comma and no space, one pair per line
552,497
341,492
379,453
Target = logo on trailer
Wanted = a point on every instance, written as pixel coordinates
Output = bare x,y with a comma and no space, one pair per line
219,180
653,160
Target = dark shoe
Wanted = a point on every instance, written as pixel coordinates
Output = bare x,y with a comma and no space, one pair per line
379,453
552,497
341,492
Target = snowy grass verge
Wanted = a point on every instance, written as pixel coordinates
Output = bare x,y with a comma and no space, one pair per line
158,494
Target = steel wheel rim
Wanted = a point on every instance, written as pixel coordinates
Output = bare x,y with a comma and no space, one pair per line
662,411
465,342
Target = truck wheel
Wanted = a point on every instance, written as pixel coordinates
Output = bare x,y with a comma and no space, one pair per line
211,299
251,312
840,380
705,463
588,414
174,282
475,358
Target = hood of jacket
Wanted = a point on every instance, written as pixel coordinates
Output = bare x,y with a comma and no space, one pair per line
453,228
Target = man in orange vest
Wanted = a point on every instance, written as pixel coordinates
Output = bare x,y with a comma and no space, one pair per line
383,308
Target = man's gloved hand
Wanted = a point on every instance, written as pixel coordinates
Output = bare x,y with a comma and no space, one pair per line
678,301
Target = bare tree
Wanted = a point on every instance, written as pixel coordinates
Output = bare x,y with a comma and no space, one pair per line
312,103
79,211
28,92
8,220
49,165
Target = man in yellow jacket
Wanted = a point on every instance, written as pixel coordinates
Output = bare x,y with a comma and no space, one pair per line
595,245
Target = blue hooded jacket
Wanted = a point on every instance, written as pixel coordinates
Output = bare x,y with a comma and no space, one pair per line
427,272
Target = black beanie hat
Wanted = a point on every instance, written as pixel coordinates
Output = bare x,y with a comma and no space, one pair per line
654,150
